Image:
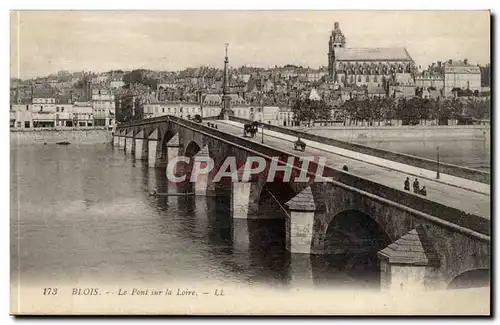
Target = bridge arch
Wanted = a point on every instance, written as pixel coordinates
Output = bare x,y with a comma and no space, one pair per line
272,199
164,141
352,231
191,149
185,169
353,239
473,278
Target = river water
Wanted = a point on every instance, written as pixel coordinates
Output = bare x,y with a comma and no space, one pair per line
82,212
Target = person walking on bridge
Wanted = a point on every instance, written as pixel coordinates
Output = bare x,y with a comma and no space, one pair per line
407,184
423,191
416,186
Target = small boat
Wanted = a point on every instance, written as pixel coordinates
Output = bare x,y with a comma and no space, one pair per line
155,193
171,194
65,143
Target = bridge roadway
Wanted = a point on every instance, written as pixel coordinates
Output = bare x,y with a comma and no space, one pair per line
469,196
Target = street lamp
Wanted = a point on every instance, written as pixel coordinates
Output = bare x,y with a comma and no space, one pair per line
263,120
262,132
437,176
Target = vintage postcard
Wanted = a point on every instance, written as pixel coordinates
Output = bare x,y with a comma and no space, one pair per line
250,162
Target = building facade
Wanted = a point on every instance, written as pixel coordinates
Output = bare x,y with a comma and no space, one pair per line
426,81
460,74
83,114
103,107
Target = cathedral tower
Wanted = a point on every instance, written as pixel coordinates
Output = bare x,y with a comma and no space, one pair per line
337,39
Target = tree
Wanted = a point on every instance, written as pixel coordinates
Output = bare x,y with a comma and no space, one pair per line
467,92
152,83
388,109
134,76
364,113
306,110
376,109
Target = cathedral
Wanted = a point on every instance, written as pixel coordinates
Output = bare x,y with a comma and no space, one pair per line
366,66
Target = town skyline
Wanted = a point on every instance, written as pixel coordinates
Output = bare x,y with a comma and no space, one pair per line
101,41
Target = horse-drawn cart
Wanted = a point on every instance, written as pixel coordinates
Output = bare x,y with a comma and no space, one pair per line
197,118
299,145
250,129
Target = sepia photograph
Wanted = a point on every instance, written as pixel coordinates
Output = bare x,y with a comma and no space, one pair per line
250,162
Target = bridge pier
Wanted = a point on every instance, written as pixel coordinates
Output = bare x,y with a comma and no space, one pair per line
125,142
243,205
173,147
152,145
124,136
121,140
299,223
129,142
139,146
201,183
116,139
410,263
240,195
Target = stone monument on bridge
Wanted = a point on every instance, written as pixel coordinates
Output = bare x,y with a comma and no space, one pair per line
226,110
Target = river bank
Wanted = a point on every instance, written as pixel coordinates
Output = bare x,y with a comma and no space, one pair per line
50,136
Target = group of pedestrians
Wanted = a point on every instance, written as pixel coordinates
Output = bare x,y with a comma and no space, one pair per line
416,187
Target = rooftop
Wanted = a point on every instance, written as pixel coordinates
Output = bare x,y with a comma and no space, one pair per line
372,54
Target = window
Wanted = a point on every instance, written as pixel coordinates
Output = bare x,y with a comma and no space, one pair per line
26,124
359,78
27,107
163,109
367,78
57,109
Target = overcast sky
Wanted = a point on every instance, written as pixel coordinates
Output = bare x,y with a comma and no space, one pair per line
47,41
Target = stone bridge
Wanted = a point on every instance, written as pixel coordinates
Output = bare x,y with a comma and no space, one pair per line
419,243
